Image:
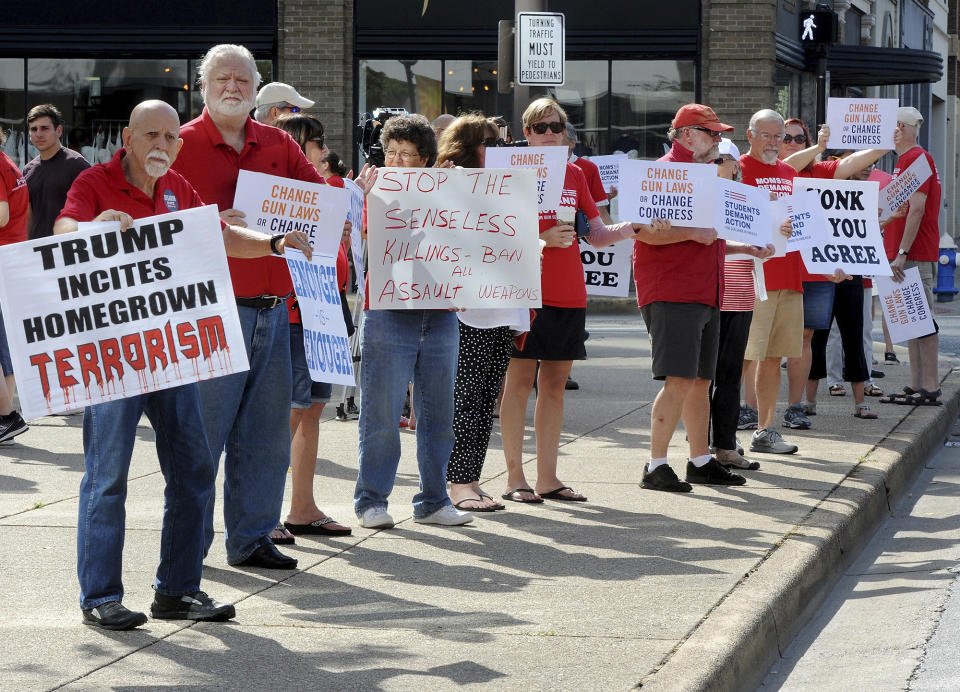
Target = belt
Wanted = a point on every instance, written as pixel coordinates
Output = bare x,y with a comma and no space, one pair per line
262,302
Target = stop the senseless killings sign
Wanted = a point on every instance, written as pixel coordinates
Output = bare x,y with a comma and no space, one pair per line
862,123
681,192
104,314
453,238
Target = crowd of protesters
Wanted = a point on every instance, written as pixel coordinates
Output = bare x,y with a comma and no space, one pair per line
720,315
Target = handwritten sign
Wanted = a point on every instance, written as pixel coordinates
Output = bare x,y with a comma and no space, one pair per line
453,238
355,215
742,213
281,205
862,123
550,164
901,189
681,192
807,220
852,241
606,271
324,333
905,308
609,167
110,314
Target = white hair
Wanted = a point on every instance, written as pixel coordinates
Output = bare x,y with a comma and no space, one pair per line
764,115
227,50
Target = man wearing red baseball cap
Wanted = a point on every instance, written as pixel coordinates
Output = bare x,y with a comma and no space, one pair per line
678,289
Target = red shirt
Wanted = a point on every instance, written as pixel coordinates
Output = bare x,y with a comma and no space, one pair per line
13,191
592,174
212,166
104,186
685,272
561,275
926,244
824,170
778,272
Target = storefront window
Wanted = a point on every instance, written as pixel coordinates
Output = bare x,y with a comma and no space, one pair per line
412,84
585,97
12,109
644,97
470,86
788,92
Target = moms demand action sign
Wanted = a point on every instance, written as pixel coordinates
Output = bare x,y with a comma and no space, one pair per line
104,314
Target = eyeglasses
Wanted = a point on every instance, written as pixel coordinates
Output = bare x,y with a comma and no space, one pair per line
769,136
402,155
493,142
555,127
799,139
723,160
712,133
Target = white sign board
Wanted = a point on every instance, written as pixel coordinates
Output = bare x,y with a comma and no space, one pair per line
324,333
807,219
681,192
606,271
355,214
852,240
280,205
453,238
861,123
99,314
905,308
901,189
742,213
550,163
540,49
609,167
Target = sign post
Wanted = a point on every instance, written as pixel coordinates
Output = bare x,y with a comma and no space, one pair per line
541,47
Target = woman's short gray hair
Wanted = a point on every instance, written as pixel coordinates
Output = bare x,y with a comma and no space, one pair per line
227,50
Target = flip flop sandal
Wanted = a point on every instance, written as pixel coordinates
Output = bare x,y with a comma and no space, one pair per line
496,505
459,506
285,538
318,527
557,494
515,496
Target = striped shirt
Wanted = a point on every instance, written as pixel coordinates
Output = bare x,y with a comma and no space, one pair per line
738,294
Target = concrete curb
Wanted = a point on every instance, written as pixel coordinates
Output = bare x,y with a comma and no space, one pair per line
737,641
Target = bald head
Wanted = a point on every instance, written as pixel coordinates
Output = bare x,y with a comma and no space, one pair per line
152,139
148,110
441,123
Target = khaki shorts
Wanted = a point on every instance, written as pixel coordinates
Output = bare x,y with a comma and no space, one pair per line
777,327
928,276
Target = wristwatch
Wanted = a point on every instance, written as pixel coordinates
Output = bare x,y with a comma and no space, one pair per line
903,252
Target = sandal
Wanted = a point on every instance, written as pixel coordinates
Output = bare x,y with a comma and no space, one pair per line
863,411
870,389
904,397
930,398
837,390
282,537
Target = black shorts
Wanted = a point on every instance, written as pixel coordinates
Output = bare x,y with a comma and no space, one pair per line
555,334
684,338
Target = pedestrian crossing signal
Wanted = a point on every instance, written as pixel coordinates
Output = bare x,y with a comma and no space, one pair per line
818,27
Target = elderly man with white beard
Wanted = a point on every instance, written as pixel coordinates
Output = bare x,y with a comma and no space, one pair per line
247,413
134,184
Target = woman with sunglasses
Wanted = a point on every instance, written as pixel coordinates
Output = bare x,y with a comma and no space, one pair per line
557,334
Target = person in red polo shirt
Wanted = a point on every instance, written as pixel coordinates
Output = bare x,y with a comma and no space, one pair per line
248,413
679,283
137,183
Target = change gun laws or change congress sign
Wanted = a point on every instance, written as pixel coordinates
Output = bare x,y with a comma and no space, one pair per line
550,163
861,123
453,238
905,308
100,314
681,192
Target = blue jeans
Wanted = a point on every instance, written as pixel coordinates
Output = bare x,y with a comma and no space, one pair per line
109,431
248,413
397,347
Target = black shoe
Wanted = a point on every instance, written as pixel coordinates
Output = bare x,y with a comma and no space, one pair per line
12,425
571,384
713,473
113,615
341,414
352,407
877,374
267,556
663,478
192,606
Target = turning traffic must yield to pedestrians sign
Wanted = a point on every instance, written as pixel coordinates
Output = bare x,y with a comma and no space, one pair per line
540,48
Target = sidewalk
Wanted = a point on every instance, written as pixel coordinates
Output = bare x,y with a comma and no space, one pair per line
681,592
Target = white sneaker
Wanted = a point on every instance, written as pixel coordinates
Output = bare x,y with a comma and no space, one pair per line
376,517
448,515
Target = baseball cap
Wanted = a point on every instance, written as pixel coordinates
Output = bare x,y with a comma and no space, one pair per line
908,115
698,115
727,147
278,92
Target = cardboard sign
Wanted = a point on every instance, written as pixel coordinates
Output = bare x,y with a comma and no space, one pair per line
453,238
742,213
806,219
609,167
901,189
324,332
100,314
280,205
905,308
355,215
606,271
862,123
550,164
681,192
852,240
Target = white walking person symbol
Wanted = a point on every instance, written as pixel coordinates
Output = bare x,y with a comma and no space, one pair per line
808,27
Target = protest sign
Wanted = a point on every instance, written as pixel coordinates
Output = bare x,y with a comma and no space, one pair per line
281,205
901,188
861,123
742,213
606,271
550,164
355,215
681,192
852,240
609,167
905,308
453,238
324,332
806,219
100,314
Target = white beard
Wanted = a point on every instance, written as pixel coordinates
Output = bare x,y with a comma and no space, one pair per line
769,157
157,168
231,108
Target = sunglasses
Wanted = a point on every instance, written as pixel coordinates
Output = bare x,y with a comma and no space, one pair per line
541,128
712,133
799,139
318,141
722,160
494,142
292,109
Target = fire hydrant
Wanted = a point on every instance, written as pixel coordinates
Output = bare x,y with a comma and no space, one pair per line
945,289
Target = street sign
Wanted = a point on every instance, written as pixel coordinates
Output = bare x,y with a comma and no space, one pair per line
540,48
818,27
